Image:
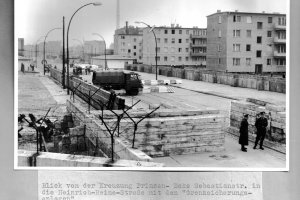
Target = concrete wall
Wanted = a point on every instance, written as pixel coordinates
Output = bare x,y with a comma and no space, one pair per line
276,135
101,95
167,132
267,83
46,159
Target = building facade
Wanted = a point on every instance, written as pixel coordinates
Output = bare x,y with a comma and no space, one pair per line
246,42
128,42
175,46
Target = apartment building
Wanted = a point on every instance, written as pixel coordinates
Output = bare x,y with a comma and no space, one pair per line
128,42
175,46
246,42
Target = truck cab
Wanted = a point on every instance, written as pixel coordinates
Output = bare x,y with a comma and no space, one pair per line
133,83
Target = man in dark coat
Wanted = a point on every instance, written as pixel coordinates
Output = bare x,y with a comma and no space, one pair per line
243,140
261,129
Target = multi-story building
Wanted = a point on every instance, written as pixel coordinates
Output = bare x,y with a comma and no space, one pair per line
128,42
21,46
175,46
246,42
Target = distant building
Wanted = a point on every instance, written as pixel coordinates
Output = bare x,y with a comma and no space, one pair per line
114,62
21,46
246,42
175,46
128,42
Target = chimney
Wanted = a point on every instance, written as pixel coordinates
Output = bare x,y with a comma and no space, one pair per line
126,28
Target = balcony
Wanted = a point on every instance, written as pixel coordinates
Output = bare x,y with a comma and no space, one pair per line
279,27
279,40
279,54
197,36
198,45
196,54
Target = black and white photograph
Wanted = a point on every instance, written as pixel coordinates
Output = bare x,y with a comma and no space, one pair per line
152,85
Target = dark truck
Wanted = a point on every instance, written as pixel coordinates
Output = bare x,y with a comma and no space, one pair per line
117,80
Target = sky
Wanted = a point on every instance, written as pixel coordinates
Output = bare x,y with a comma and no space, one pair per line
34,18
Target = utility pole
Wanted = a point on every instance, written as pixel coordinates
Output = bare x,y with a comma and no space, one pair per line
63,56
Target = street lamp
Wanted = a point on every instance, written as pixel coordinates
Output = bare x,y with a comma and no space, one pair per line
68,66
82,46
104,49
151,30
44,60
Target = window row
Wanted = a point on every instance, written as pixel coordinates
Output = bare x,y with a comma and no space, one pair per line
248,20
172,49
173,40
173,58
180,31
124,37
237,61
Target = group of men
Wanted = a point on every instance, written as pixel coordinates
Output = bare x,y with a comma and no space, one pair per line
261,125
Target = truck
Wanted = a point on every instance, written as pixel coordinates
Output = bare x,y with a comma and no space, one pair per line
116,80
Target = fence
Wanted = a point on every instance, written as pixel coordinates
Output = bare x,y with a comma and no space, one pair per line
259,82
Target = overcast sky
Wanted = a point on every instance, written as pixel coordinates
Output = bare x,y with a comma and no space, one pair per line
34,18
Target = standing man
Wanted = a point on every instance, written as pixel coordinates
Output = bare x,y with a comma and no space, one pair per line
243,140
23,68
261,129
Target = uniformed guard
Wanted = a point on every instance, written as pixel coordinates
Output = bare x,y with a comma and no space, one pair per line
261,129
243,139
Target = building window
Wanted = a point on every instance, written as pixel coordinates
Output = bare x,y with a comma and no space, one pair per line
166,49
259,25
259,40
236,61
282,21
248,47
248,33
180,31
186,50
158,49
219,61
220,19
134,47
134,53
258,54
129,50
268,61
166,40
172,58
179,40
186,58
158,40
269,33
187,32
249,19
166,58
179,50
134,39
220,33
179,58
236,33
166,31
187,40
219,47
248,61
270,20
122,37
173,31
236,18
173,40
236,47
